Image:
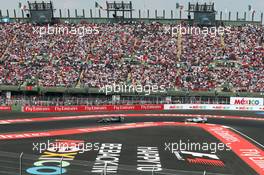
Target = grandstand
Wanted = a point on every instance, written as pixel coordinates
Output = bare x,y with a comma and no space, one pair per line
118,91
47,59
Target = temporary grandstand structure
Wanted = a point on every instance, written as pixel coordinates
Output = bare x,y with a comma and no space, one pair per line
119,7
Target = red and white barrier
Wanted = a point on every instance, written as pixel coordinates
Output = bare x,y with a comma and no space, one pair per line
103,108
212,107
5,108
92,108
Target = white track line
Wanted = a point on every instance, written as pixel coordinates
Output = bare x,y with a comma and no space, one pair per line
259,144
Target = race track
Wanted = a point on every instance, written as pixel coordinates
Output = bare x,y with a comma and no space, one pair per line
144,144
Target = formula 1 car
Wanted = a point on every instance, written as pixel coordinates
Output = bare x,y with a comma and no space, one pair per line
111,120
196,120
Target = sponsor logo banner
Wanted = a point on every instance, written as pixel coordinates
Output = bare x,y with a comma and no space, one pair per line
142,107
91,108
212,107
55,160
148,159
5,108
199,158
108,158
246,101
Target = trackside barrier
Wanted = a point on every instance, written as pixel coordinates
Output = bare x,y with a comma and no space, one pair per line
5,108
246,101
92,108
102,108
212,107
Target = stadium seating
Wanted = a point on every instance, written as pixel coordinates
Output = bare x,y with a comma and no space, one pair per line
132,54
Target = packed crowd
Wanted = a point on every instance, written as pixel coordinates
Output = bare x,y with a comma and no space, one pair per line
69,100
136,54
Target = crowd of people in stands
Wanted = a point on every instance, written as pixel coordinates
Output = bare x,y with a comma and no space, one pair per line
134,54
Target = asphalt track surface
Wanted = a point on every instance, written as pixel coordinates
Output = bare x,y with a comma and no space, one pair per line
131,140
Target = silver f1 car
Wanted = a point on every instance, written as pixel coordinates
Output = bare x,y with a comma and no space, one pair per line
196,120
111,120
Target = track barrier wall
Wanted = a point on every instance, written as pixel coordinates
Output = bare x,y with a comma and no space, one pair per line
213,107
92,108
5,108
102,108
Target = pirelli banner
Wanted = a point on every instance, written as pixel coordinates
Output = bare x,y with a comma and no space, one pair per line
244,101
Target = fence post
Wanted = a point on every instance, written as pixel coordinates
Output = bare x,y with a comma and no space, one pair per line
91,13
61,165
261,18
20,163
69,15
180,14
153,171
7,13
252,18
83,13
148,14
76,13
15,16
105,169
